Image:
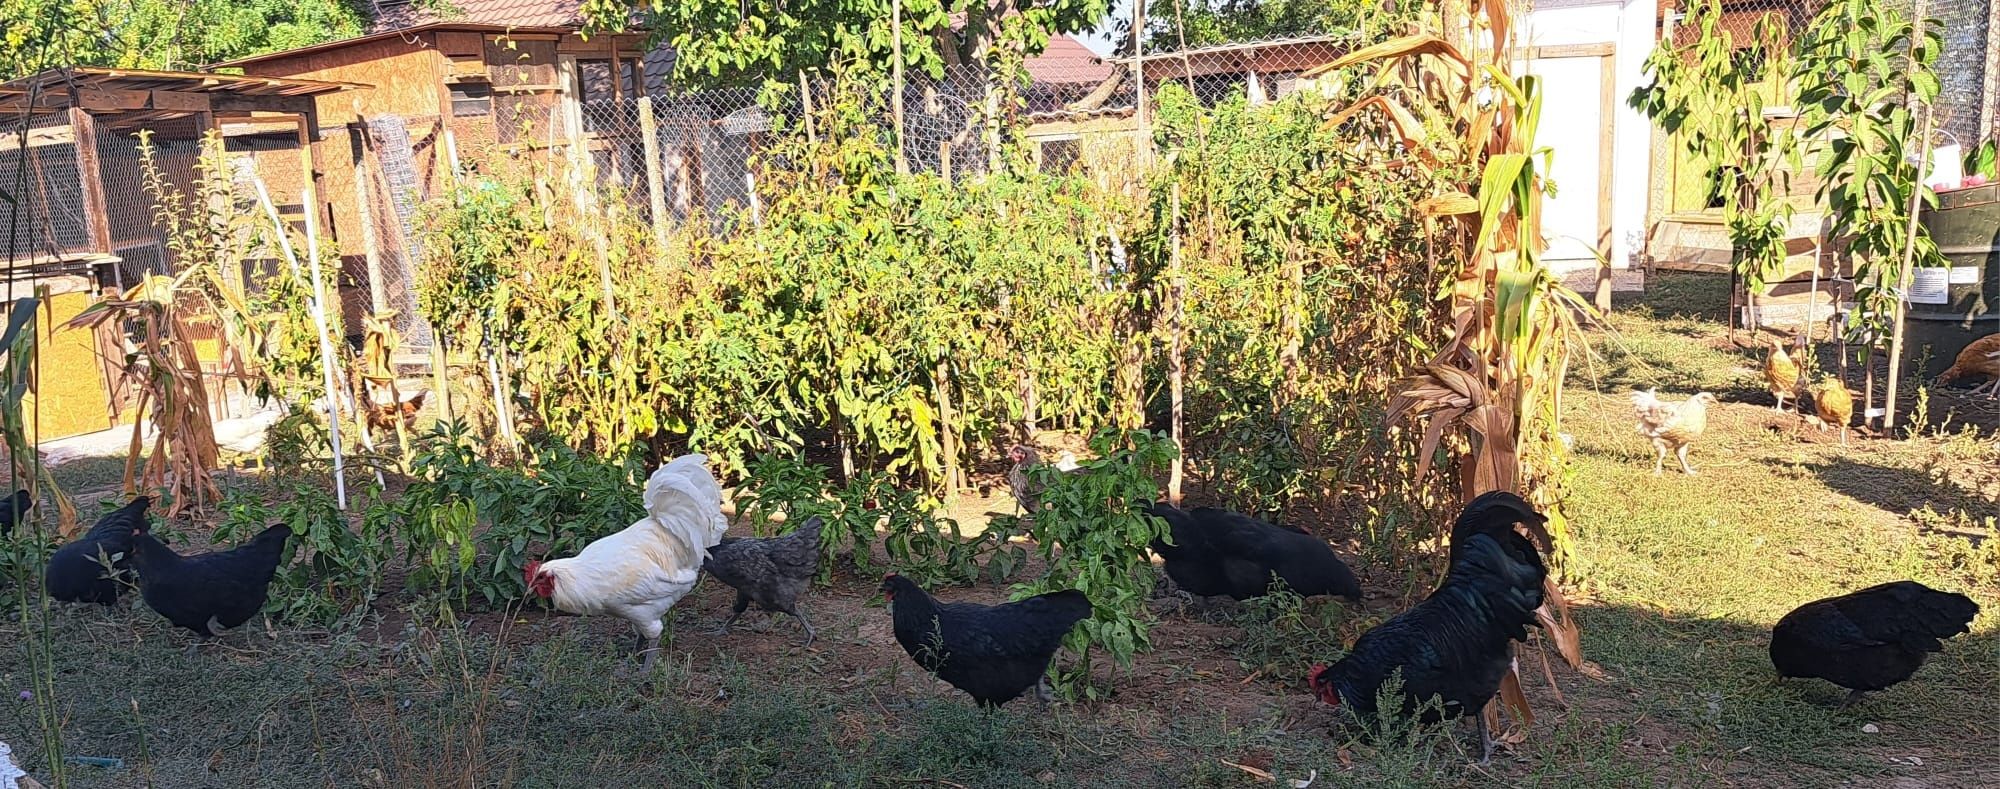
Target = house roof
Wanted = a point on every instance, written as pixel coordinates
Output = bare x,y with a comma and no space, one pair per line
514,13
1067,60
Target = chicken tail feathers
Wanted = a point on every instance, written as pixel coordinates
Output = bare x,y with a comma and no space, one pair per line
684,498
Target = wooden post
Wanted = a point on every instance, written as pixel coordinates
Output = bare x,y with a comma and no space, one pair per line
96,217
806,107
948,429
656,189
378,295
1176,354
1139,77
944,160
441,375
896,82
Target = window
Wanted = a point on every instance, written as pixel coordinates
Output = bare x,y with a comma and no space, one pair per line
471,99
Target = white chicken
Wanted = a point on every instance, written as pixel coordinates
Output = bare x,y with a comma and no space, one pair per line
245,434
1673,427
639,573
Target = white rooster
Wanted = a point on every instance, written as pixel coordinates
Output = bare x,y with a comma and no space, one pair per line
639,573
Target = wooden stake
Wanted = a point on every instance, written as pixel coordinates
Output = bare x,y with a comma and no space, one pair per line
656,188
941,383
378,296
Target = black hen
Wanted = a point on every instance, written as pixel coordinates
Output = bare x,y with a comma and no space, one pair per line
76,572
770,572
12,509
993,653
1871,639
210,592
1456,644
1218,552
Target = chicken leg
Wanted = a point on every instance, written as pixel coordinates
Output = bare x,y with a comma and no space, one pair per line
649,645
1659,457
810,632
1683,455
742,603
1852,697
1485,739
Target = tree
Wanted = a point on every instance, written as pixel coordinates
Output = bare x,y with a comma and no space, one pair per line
1170,23
742,41
165,34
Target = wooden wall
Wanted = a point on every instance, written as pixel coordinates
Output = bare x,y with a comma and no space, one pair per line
404,77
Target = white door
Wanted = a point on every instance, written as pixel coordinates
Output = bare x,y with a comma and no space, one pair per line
1575,127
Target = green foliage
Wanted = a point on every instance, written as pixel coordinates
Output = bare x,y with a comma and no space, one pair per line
1205,22
166,34
1714,98
1306,264
328,571
1284,634
1095,538
918,541
553,505
729,42
1865,72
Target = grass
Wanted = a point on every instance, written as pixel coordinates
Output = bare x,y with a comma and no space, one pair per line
1680,579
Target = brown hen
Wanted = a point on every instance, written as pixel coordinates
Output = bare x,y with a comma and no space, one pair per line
1982,357
1781,375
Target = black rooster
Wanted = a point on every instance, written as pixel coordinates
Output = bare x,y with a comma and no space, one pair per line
1218,552
12,509
993,653
211,592
1871,639
1455,645
76,572
770,572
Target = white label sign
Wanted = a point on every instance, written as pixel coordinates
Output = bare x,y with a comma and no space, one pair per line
1964,275
1930,286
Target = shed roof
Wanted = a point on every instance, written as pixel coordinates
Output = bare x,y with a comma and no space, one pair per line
513,13
464,27
167,92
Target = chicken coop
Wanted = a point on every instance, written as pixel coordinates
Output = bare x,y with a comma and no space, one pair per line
79,222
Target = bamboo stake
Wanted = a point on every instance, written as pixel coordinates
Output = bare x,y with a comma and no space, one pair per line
806,108
1176,361
656,190
1909,255
318,312
941,383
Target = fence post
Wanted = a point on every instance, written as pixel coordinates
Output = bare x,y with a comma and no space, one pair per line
896,99
656,193
378,297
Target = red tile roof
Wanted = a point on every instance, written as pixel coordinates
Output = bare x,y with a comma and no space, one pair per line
1067,60
514,13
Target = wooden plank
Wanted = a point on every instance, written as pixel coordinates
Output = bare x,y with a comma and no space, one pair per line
96,217
577,45
531,36
1570,51
458,43
1607,141
111,100
179,100
297,105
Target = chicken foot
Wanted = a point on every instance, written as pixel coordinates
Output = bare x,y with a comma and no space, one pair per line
743,604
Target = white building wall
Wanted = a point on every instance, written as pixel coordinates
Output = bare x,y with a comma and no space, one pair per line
1628,26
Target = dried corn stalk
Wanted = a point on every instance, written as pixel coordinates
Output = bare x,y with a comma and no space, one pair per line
164,367
1494,389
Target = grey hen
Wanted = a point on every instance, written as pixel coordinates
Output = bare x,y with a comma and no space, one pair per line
772,571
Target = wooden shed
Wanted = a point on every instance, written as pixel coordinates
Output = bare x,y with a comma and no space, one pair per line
448,96
82,218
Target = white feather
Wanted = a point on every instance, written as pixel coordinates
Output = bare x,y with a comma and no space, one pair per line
643,570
